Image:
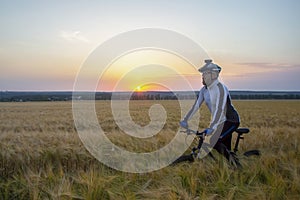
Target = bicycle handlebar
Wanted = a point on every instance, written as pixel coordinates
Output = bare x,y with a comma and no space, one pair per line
197,133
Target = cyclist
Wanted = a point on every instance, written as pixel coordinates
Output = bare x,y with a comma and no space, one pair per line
225,119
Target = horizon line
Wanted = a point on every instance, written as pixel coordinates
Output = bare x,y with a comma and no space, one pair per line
237,90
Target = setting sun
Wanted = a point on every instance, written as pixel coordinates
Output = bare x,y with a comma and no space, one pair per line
138,88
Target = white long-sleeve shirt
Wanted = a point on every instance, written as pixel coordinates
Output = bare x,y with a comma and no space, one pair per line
217,98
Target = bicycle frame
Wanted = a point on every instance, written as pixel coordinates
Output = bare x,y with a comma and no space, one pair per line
201,135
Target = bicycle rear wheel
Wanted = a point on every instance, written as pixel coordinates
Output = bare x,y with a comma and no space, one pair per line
252,153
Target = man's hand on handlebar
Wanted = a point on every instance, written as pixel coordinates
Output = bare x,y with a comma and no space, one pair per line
184,124
208,131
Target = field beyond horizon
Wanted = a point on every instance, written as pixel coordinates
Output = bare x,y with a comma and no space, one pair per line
42,156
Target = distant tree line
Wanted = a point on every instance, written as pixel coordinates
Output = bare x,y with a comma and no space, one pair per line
67,96
266,96
142,96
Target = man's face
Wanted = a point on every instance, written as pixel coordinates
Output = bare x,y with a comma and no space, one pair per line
206,78
203,82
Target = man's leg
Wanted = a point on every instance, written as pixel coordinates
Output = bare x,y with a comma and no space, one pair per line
222,149
223,146
227,141
226,134
230,156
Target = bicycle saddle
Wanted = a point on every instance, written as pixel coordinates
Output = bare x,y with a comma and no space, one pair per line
242,130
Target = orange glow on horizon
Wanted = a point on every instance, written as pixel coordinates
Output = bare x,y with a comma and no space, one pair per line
144,70
151,87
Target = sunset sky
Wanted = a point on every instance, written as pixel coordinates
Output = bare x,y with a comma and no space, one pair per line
44,43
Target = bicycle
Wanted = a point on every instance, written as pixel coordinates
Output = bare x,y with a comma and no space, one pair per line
233,159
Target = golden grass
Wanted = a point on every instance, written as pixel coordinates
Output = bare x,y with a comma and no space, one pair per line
42,157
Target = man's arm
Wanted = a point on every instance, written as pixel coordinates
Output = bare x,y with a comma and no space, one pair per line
196,106
220,98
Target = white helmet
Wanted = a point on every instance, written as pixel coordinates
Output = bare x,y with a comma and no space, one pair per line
209,66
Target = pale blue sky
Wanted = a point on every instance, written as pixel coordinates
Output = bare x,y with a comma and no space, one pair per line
43,43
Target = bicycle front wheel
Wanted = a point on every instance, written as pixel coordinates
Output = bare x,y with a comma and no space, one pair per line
184,158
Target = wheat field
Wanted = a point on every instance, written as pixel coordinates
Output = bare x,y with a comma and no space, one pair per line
42,157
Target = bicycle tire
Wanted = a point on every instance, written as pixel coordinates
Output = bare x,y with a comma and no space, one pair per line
184,158
252,153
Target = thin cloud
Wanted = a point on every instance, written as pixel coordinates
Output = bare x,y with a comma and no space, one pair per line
73,36
262,68
271,66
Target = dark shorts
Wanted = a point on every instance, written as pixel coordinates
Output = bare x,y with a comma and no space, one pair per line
224,134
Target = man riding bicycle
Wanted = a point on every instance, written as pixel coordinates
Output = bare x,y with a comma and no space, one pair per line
224,118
